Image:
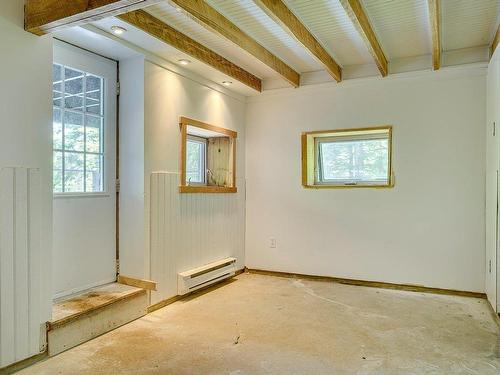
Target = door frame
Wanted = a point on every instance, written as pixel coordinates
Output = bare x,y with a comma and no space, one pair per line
80,59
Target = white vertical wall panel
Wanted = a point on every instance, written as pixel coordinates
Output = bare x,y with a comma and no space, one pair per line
20,265
190,230
492,266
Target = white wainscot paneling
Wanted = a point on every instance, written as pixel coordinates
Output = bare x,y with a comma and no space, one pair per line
191,230
20,265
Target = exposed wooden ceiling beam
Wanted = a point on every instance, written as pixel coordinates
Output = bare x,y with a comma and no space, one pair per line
210,18
496,39
362,24
46,16
155,27
435,22
277,10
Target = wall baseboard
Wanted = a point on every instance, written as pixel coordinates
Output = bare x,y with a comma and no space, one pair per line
494,314
201,291
372,284
18,366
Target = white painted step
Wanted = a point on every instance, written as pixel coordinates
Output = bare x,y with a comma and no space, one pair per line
99,310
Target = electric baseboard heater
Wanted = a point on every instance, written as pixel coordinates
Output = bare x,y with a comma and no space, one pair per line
206,275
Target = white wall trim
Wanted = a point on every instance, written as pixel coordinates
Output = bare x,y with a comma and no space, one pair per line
452,72
411,64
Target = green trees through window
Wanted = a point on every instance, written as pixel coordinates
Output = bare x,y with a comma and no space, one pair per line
78,156
355,160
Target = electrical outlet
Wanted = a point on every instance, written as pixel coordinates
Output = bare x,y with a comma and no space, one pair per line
272,243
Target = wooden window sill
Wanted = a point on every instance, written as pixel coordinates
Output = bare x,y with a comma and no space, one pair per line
206,189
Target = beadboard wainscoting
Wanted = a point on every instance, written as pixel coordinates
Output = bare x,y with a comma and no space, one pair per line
190,230
21,333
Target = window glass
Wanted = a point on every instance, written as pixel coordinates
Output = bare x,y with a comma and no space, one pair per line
354,160
93,94
78,118
195,158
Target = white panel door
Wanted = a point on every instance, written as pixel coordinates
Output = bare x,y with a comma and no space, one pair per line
84,227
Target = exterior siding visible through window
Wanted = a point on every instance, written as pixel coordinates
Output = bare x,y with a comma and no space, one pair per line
196,155
78,131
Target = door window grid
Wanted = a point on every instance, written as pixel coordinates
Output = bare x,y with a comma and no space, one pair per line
78,133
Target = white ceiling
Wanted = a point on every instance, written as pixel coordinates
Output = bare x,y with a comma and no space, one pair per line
256,23
329,23
468,23
137,37
402,28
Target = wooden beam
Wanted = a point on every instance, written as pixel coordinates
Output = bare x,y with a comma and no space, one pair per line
46,16
434,20
277,10
153,26
138,283
210,18
496,39
362,24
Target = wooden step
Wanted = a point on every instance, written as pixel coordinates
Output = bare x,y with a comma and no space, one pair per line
80,318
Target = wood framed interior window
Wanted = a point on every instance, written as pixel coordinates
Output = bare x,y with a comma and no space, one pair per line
348,158
208,158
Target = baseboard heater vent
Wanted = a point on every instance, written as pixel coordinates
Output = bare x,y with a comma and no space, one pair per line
208,274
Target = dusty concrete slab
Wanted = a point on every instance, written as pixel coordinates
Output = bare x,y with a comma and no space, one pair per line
269,325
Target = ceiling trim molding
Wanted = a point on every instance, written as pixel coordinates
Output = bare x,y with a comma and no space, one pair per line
167,34
450,72
283,16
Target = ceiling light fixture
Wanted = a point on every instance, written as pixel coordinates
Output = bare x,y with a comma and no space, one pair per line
184,61
118,30
226,83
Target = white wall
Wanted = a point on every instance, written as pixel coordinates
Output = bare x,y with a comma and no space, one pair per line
132,211
492,166
429,229
167,96
26,124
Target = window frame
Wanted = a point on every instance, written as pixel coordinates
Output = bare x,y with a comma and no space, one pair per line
230,187
204,142
84,113
311,155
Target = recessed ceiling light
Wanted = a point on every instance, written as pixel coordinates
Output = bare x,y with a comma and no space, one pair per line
118,30
226,83
184,61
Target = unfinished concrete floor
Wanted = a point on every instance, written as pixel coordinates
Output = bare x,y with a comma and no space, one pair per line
270,325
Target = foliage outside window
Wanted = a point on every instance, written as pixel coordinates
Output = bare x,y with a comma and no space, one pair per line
347,158
78,116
